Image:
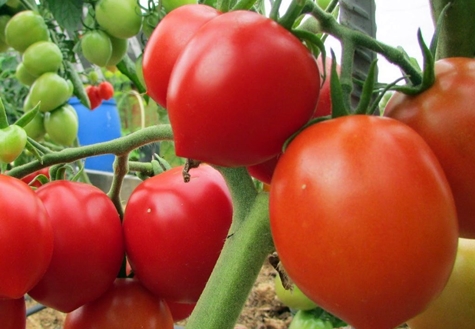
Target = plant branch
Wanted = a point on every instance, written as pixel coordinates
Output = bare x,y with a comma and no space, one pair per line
121,169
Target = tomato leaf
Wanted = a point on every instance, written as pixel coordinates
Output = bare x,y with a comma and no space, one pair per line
67,13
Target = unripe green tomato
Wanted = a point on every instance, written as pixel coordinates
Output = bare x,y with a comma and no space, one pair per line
121,19
96,47
307,320
12,142
455,307
119,48
51,90
24,29
35,128
42,57
293,298
24,76
62,125
169,5
4,19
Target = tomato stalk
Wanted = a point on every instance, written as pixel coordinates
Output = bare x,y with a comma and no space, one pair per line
121,168
236,270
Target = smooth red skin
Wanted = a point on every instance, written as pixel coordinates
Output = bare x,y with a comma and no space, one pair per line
180,311
94,96
12,313
174,231
264,171
443,115
26,238
365,197
126,305
165,44
235,102
29,178
88,245
106,90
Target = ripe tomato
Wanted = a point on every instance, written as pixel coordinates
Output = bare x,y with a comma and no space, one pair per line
24,29
455,307
368,199
120,19
166,43
235,102
42,57
94,96
26,238
180,311
106,90
127,304
174,231
62,125
51,90
443,116
88,245
96,47
12,313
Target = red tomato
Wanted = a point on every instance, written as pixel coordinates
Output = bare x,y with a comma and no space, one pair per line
174,231
31,177
166,43
180,311
368,199
94,96
106,90
236,101
26,238
88,245
12,313
443,116
264,171
126,305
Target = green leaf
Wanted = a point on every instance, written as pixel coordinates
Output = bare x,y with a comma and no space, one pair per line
68,13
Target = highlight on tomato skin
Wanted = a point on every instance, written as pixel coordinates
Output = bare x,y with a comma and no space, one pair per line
345,217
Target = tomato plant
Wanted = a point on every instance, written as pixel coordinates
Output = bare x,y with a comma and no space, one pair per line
88,245
174,231
96,47
166,43
364,193
12,313
242,113
62,125
26,237
24,29
51,90
127,304
442,115
119,19
455,307
42,57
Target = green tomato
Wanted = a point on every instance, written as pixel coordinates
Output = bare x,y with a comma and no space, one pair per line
293,298
455,307
35,129
24,29
4,19
119,48
96,47
62,125
323,3
42,57
12,142
121,19
24,76
169,5
308,320
51,90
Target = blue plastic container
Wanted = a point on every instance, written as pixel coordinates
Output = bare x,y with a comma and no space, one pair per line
100,125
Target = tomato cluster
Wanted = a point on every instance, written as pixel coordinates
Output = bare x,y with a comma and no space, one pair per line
98,93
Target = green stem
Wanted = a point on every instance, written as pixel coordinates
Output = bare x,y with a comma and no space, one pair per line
237,268
121,169
3,116
119,146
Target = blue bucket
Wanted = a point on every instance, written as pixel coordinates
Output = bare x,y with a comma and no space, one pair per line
100,125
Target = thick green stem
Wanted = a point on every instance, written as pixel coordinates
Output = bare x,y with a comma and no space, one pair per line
121,169
237,268
119,146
